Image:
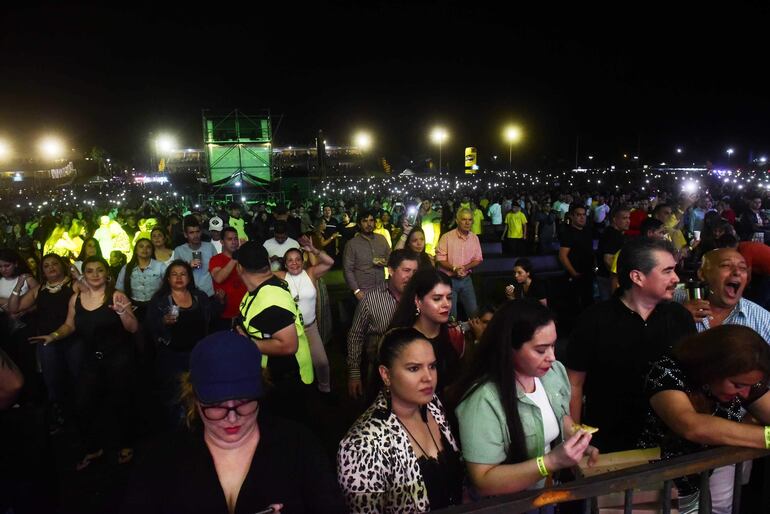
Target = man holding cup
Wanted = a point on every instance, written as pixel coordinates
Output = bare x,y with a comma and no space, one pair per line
725,275
198,253
365,258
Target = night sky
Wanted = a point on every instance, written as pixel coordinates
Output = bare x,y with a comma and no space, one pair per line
110,75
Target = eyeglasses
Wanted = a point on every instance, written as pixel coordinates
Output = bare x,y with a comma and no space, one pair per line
220,412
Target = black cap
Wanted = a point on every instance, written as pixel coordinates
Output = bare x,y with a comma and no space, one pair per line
252,256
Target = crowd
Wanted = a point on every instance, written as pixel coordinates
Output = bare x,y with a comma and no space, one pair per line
222,318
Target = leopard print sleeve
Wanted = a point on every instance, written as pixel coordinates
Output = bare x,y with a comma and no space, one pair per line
361,474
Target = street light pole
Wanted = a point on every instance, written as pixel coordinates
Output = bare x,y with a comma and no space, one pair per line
438,136
512,134
439,156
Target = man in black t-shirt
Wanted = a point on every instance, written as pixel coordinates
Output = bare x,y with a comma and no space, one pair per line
576,254
615,341
609,244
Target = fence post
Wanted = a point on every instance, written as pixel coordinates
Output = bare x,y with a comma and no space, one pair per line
704,494
628,503
666,497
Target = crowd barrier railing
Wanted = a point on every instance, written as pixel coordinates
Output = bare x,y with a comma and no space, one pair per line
626,481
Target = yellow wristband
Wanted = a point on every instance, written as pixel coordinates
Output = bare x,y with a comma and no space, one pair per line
543,470
767,437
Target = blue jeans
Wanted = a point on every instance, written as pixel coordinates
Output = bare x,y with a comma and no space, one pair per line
60,363
462,291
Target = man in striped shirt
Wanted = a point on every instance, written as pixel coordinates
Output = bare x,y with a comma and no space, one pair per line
373,315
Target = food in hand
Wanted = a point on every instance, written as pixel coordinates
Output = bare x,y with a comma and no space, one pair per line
585,428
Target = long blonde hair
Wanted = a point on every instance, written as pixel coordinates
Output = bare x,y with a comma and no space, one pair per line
188,400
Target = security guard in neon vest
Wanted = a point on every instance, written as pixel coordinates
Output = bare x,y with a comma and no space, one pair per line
270,318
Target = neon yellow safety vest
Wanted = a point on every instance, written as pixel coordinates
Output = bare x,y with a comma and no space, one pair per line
275,293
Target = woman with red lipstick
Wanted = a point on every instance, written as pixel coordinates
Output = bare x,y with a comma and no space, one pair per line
400,455
513,404
700,395
177,318
425,306
231,457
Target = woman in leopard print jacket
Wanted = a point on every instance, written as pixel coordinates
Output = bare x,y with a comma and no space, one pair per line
400,456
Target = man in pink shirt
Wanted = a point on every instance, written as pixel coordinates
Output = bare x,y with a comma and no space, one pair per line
458,252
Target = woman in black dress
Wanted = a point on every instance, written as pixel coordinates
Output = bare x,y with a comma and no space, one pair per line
524,286
104,319
425,305
60,362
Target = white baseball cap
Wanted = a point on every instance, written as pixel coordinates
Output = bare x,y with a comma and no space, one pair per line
216,223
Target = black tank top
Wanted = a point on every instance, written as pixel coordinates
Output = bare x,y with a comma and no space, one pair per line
52,308
101,328
443,476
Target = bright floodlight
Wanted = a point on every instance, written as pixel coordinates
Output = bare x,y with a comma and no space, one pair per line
165,143
761,159
690,187
5,149
439,135
512,134
363,140
678,150
730,151
52,148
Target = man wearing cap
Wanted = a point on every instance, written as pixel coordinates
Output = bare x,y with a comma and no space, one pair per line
270,317
235,457
215,230
279,244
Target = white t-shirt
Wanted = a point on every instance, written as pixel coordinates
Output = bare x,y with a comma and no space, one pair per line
550,423
7,285
276,249
217,245
495,212
600,212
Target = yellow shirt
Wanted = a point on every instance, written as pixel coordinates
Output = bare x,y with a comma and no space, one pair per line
515,222
384,233
478,217
614,267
